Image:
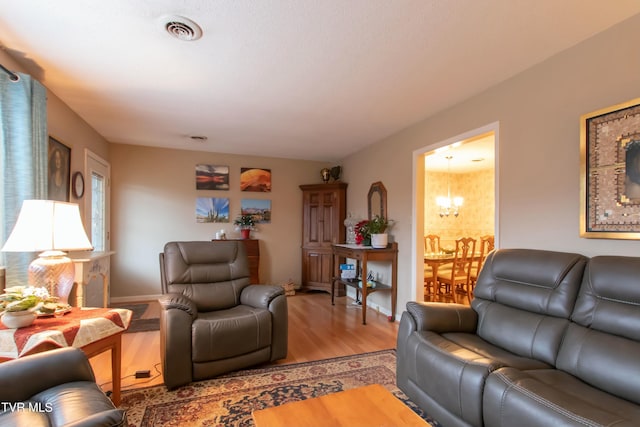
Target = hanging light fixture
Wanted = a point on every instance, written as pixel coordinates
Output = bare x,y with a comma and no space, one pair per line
446,205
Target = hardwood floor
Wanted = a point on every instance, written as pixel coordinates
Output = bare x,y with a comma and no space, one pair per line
317,330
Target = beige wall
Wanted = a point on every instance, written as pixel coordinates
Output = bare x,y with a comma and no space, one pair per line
477,214
538,150
153,202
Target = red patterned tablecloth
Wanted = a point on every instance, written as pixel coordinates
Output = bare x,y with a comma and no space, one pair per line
77,328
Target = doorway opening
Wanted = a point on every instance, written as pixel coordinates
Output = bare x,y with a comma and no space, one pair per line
456,193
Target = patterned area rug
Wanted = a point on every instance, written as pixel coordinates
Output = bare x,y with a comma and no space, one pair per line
138,324
229,400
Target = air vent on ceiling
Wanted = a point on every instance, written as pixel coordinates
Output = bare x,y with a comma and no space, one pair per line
182,28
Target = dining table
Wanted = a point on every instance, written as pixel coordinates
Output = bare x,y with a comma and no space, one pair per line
434,260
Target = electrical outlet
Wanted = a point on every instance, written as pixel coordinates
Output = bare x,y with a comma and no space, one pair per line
143,374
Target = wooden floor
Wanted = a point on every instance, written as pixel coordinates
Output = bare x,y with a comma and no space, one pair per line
317,330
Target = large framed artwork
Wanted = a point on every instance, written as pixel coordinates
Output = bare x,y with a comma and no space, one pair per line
610,172
58,171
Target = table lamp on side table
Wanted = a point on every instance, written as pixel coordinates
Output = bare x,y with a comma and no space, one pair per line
51,227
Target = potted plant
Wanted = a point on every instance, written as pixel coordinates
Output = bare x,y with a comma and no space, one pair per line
377,229
19,305
245,223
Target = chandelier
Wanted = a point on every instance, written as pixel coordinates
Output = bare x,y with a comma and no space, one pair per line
446,205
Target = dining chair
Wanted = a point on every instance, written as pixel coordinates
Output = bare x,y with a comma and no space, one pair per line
486,246
431,245
456,279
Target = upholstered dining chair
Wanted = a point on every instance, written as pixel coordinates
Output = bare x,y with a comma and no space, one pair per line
212,321
431,245
455,280
486,245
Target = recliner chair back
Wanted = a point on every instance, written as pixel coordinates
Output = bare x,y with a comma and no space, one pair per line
211,275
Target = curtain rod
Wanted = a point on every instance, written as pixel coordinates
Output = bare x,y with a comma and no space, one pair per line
12,76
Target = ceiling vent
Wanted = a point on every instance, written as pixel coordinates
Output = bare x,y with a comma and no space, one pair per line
182,28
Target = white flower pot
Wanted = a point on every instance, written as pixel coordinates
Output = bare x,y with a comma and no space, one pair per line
18,319
379,241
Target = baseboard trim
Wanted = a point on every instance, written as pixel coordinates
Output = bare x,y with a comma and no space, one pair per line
137,298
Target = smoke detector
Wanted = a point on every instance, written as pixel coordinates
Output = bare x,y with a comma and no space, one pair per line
182,28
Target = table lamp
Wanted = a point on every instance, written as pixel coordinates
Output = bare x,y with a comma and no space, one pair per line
51,227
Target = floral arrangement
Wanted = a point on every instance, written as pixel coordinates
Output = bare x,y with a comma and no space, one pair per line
244,222
361,230
27,298
365,228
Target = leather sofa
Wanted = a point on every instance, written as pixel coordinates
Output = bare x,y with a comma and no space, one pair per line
212,321
54,388
550,339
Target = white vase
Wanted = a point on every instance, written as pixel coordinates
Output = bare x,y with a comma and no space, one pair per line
18,319
379,241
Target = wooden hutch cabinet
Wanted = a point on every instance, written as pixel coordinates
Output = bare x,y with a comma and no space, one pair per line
324,208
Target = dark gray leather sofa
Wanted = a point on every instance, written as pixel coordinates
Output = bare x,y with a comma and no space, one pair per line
550,339
212,321
54,388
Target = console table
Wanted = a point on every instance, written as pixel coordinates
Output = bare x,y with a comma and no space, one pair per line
362,255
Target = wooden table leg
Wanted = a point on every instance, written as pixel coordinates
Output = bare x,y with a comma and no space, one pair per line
113,343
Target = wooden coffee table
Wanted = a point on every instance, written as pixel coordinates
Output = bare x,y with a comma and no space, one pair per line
363,406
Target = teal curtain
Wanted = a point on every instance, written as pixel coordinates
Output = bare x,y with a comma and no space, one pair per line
23,161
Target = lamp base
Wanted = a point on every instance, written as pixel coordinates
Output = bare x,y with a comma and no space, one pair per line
54,271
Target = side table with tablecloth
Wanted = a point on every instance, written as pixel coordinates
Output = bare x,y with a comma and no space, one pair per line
93,330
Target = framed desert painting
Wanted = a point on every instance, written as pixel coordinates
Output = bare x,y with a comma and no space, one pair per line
212,177
255,179
610,172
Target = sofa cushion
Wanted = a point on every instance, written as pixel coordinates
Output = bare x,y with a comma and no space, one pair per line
452,368
602,347
524,298
551,398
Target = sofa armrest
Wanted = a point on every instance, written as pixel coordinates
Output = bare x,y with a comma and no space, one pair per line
180,302
260,296
441,318
22,378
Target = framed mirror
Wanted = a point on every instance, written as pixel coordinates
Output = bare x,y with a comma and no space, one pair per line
377,200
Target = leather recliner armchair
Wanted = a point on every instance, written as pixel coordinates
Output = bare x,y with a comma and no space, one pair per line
212,321
54,388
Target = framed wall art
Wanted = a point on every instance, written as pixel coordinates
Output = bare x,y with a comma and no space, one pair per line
212,177
58,171
255,179
610,172
212,209
260,209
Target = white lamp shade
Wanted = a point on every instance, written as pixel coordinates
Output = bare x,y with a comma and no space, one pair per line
47,225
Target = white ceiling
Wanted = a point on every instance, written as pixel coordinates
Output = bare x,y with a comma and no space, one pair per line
471,155
304,79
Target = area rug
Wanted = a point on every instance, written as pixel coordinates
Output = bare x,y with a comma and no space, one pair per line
229,400
137,324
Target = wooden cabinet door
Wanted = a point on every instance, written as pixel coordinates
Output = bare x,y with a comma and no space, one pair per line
324,212
321,215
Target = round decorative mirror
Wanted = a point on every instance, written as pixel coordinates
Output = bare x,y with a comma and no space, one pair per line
377,200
